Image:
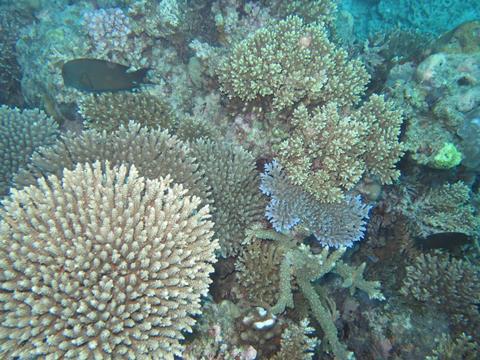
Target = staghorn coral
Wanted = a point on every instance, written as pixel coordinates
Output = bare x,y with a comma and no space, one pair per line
287,62
102,263
449,284
21,132
109,111
154,153
230,172
446,208
329,151
301,264
332,224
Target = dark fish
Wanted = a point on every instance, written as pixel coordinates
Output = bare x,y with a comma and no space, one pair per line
444,240
100,75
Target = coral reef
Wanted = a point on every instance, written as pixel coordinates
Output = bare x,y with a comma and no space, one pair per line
430,15
328,153
109,111
43,47
300,263
154,152
102,263
21,132
230,172
469,132
287,62
446,208
449,284
462,347
332,224
11,22
308,92
440,97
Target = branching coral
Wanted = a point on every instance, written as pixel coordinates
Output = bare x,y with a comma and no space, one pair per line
305,267
155,153
21,132
329,150
296,344
288,62
449,284
102,263
257,272
324,153
447,208
306,91
309,10
382,146
230,172
109,111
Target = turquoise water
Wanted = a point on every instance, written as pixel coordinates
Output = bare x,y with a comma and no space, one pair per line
239,179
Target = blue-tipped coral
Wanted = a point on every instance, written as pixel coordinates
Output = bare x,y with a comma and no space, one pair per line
332,224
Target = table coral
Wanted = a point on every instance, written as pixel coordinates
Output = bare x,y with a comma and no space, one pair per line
154,152
334,225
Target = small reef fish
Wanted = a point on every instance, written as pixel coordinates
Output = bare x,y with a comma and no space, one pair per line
443,240
100,75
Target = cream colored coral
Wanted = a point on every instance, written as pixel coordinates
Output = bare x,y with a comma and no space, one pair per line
101,264
273,65
331,148
324,153
154,152
108,111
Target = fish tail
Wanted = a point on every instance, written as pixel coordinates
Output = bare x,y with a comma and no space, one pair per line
139,75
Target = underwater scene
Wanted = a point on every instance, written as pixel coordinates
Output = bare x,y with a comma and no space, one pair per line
240,180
